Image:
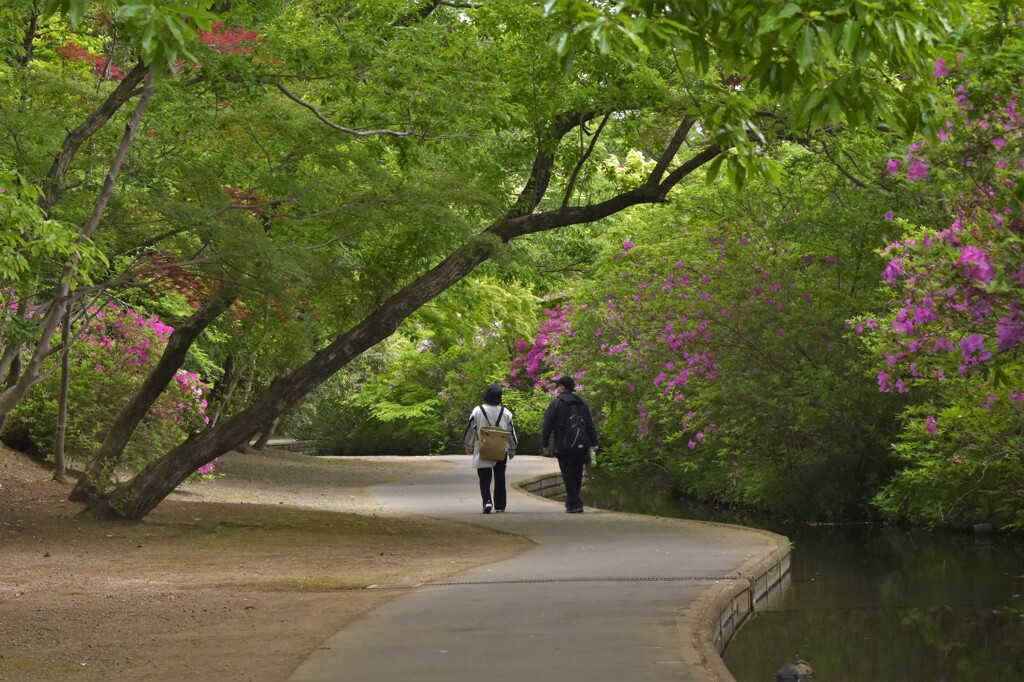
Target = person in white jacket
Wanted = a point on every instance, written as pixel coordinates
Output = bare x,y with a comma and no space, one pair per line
490,413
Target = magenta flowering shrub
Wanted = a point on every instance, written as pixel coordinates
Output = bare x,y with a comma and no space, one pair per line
960,288
719,353
114,350
535,363
953,339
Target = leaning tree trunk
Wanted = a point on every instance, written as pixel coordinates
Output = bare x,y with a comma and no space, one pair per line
134,499
96,473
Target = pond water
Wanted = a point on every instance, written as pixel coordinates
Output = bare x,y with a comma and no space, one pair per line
870,604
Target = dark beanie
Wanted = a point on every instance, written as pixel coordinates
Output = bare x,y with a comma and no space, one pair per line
492,394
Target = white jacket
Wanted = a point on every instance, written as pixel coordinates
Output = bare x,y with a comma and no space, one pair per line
477,421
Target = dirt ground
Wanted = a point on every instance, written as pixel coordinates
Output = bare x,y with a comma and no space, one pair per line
239,579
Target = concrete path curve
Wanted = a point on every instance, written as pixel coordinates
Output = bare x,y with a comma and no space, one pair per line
602,597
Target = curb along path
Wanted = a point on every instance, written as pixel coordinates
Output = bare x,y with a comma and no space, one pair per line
602,596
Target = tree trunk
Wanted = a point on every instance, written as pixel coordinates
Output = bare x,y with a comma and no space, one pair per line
97,472
134,499
28,42
13,373
222,390
247,386
124,91
10,363
267,434
14,365
59,462
14,395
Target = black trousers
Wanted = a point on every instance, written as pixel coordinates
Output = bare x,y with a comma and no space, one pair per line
571,466
498,474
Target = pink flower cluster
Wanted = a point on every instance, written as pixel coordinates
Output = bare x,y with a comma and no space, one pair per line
536,362
961,288
122,340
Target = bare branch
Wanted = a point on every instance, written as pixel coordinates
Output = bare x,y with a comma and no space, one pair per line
353,131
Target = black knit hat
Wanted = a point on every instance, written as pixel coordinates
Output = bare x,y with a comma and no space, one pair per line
566,381
492,394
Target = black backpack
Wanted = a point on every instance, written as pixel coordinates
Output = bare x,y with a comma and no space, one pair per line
574,438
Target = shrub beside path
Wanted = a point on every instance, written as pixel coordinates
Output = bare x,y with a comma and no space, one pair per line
602,595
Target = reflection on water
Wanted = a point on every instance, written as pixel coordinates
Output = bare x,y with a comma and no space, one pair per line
870,604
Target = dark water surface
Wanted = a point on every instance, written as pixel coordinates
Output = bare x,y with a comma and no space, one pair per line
871,604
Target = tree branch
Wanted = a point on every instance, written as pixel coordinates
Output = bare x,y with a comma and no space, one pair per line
571,185
124,91
427,10
698,160
835,162
671,150
28,41
353,131
540,175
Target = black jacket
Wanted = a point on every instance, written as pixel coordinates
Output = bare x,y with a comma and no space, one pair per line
556,416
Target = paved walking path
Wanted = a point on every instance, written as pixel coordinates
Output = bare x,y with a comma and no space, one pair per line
602,597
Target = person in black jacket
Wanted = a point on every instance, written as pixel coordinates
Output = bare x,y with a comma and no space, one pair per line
569,420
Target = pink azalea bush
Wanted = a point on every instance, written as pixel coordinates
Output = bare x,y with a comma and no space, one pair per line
114,351
952,342
715,352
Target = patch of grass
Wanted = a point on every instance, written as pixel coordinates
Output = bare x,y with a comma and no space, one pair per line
30,668
321,583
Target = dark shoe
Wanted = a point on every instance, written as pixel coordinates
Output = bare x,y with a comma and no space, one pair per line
575,510
499,511
487,507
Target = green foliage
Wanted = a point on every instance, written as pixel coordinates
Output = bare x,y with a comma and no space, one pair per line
827,63
413,393
962,461
164,33
322,156
29,241
950,337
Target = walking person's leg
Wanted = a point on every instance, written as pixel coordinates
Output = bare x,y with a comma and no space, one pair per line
578,466
484,474
500,496
572,480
